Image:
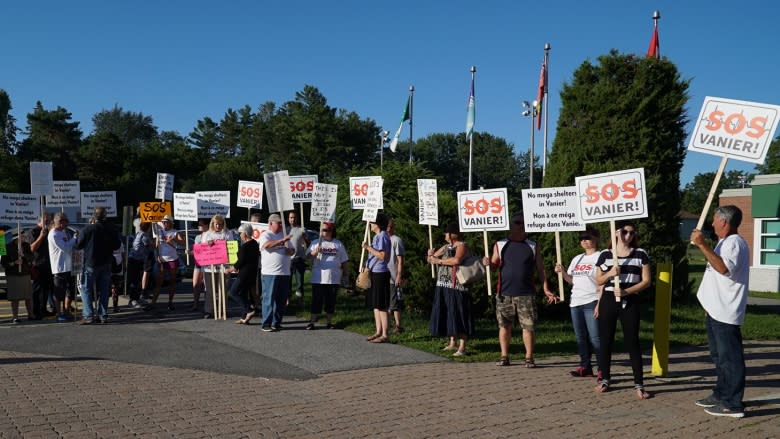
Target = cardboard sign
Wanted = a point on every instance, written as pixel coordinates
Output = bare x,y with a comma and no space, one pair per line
427,201
740,130
67,193
257,229
612,196
19,208
551,210
211,203
323,205
91,200
483,210
41,178
277,188
206,254
232,251
164,188
250,194
302,188
358,191
154,211
373,200
185,206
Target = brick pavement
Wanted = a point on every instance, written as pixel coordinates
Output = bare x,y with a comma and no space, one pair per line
44,396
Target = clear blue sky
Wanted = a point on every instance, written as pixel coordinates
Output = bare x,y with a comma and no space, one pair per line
179,61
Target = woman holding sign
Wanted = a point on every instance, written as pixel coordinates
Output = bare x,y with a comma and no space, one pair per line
378,297
451,313
633,270
216,232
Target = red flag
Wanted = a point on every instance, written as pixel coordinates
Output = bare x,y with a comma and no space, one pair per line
654,51
540,94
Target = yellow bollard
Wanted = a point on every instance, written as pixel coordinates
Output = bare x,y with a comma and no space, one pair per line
663,311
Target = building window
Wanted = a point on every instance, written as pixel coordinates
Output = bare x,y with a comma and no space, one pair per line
768,241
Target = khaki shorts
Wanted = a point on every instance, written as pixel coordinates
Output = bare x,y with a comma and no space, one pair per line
511,309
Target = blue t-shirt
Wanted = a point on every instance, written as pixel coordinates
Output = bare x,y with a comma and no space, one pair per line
381,243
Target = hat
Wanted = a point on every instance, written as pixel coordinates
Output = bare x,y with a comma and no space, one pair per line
167,218
452,228
245,228
274,217
327,225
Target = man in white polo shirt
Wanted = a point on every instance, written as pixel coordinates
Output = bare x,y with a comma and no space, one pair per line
275,254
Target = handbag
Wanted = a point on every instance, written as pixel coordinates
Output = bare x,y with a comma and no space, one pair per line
363,281
470,270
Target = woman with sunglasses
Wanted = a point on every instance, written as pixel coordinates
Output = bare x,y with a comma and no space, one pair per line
329,264
585,293
622,302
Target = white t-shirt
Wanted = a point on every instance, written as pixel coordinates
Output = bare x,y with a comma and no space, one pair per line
396,249
582,270
275,260
167,251
724,296
298,241
60,251
326,266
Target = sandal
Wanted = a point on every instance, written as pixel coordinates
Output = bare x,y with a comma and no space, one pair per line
529,363
449,348
503,361
640,392
373,337
602,386
381,339
241,321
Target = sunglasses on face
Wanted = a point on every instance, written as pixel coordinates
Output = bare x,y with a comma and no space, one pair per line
627,232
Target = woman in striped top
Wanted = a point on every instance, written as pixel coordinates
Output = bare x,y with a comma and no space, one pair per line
621,302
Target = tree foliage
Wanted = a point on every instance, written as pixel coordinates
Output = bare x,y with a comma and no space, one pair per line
626,112
772,163
695,193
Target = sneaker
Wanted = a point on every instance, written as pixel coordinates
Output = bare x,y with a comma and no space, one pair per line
276,328
137,305
266,328
707,402
62,318
86,321
719,410
103,320
310,326
16,321
459,354
581,372
330,326
299,294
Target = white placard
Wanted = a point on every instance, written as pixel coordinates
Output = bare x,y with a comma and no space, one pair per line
427,201
551,209
185,206
612,196
92,200
740,130
19,208
250,194
302,188
373,200
323,206
164,188
257,229
67,193
212,203
41,178
358,191
277,189
483,210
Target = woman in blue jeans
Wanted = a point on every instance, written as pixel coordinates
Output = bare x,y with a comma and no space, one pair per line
585,293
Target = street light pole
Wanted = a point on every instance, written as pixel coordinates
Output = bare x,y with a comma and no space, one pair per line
531,111
383,136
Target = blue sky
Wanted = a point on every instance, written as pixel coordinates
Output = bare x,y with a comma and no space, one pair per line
179,61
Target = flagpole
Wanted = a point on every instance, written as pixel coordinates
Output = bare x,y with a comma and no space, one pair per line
411,120
546,102
656,17
471,136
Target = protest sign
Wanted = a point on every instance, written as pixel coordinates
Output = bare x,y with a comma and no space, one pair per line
277,189
612,196
250,194
154,211
92,200
19,208
427,202
483,210
302,188
212,203
551,210
359,191
257,229
185,206
41,178
67,193
164,187
740,130
232,251
373,200
323,206
214,254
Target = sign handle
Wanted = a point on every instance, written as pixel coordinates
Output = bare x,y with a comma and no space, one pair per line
430,245
616,279
19,243
558,260
487,269
303,226
187,241
362,250
713,189
214,291
222,294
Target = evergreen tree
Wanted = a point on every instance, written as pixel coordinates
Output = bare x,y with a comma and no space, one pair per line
627,112
52,137
772,163
10,169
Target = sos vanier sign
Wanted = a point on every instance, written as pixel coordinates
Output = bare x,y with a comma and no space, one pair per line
740,130
302,188
483,210
612,196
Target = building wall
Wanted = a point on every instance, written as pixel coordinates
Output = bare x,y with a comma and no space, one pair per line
742,198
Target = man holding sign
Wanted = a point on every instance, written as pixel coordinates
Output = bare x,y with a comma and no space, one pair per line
517,258
275,255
